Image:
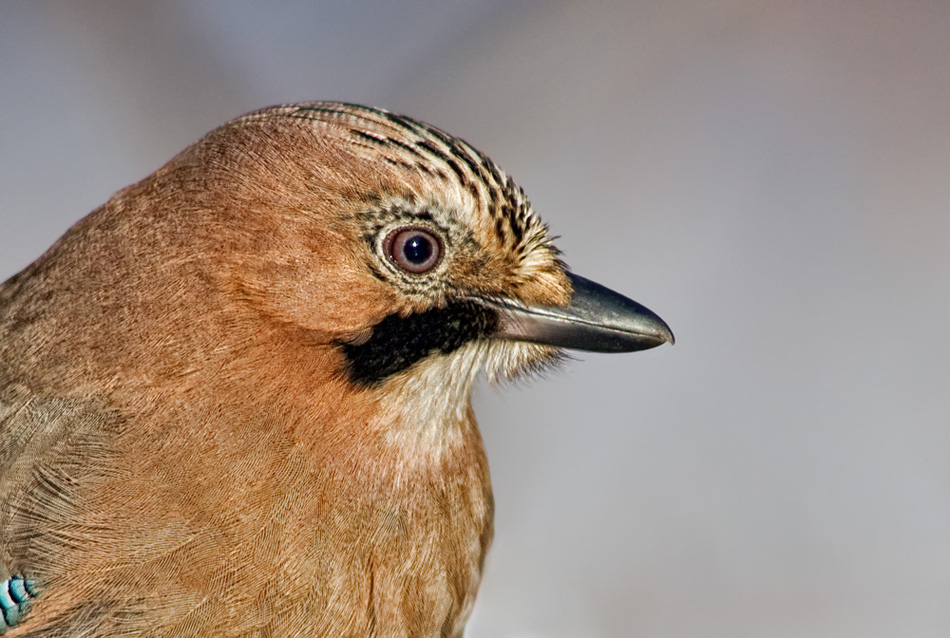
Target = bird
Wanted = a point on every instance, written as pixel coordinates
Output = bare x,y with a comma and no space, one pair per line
235,399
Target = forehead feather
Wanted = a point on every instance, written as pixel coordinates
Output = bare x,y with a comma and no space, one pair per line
471,180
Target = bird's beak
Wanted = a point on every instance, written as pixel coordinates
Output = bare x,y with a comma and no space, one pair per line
597,319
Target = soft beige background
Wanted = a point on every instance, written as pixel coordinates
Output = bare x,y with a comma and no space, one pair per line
773,178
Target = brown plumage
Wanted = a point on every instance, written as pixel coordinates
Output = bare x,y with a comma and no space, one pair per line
234,400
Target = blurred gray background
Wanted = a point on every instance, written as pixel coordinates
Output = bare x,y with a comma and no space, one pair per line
773,178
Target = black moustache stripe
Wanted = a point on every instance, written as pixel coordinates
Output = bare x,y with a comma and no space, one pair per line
398,342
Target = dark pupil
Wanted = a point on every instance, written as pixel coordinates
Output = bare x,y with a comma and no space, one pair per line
417,249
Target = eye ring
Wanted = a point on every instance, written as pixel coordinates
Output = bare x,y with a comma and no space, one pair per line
414,249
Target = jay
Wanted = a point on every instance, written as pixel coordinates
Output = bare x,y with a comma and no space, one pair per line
235,399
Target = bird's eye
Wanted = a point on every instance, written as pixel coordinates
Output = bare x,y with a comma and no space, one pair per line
414,250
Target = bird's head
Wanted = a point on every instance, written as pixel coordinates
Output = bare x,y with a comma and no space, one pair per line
411,250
